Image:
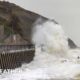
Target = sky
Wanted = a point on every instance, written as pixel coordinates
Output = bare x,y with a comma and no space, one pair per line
65,12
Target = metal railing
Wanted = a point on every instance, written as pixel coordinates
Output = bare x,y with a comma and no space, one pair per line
12,56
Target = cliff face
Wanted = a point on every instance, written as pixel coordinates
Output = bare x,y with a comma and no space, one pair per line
16,20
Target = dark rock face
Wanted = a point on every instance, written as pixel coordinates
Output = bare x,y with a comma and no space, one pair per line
71,44
18,19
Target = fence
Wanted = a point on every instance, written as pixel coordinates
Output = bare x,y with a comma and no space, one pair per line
12,56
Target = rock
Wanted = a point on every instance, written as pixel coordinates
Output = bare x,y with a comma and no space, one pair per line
18,19
71,44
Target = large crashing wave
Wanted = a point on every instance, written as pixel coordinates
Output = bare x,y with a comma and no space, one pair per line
53,57
50,37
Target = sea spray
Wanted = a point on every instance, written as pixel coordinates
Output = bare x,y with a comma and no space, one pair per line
51,38
51,44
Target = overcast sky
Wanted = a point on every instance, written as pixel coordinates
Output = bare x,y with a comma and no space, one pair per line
66,12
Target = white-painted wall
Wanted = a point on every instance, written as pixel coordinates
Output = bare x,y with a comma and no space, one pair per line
66,12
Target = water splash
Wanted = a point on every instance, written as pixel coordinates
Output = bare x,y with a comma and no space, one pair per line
53,58
50,37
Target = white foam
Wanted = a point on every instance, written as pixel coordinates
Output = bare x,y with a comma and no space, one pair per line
74,55
50,37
